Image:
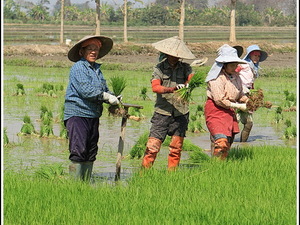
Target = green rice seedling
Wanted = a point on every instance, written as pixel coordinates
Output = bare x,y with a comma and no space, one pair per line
27,127
51,172
138,149
185,94
290,99
235,191
63,130
278,115
290,131
46,130
5,137
143,93
45,113
46,119
198,156
196,127
240,153
196,120
118,83
20,89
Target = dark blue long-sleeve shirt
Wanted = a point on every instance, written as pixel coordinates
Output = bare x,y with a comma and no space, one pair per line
84,92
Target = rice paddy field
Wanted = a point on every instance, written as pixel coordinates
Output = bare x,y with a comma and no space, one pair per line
256,185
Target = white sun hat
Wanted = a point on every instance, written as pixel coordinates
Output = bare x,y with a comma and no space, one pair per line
226,54
251,48
174,46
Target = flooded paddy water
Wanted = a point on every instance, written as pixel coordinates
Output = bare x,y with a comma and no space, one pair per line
29,153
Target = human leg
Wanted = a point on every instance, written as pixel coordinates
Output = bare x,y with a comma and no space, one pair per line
152,148
175,152
83,138
221,147
248,124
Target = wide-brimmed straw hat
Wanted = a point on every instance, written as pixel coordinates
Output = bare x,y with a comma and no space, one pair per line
251,48
106,42
226,54
174,46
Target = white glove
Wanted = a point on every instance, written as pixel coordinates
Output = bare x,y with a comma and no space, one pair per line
179,86
246,90
113,100
241,106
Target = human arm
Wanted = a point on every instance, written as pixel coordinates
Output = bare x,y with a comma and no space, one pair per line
88,85
159,89
241,106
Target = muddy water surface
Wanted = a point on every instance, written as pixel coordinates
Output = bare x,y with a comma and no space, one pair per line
29,153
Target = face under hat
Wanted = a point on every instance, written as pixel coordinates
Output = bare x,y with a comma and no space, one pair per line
106,43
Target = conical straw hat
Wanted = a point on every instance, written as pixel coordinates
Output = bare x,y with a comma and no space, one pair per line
174,46
107,44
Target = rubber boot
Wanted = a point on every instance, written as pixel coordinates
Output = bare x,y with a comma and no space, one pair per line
75,169
152,148
86,171
246,131
222,147
81,170
175,152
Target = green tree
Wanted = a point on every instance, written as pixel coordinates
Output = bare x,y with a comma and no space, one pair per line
12,10
155,15
246,15
39,11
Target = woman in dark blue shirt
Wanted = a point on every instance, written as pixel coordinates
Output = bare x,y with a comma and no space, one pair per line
86,92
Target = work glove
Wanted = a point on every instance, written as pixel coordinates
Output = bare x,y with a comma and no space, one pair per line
179,86
246,90
113,100
241,106
120,97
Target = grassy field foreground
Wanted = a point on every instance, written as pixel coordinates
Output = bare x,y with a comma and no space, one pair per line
257,185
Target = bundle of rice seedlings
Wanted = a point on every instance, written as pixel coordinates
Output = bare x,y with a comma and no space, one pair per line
20,90
118,84
256,100
143,93
27,127
135,114
137,151
46,127
5,137
185,94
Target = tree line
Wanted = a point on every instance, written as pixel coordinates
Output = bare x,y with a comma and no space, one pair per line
159,13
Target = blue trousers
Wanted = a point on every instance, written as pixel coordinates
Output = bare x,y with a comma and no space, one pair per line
83,136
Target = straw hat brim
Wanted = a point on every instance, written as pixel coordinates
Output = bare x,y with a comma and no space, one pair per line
175,47
107,44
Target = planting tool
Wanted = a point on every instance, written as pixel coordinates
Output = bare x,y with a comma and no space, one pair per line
125,116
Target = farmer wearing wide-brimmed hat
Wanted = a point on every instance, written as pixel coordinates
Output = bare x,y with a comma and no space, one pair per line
224,95
85,94
248,73
170,116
